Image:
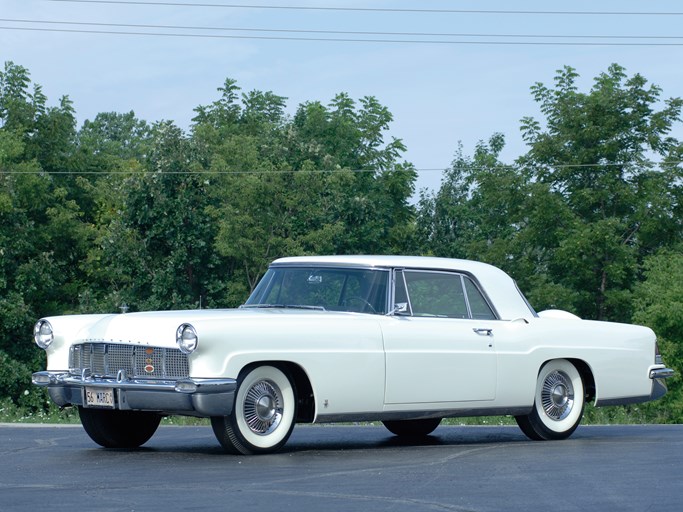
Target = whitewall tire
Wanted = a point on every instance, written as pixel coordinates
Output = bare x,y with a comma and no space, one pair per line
558,402
263,414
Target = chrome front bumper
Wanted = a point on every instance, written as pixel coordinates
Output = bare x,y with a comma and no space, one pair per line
188,396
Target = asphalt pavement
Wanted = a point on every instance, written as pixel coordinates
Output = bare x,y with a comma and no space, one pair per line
347,468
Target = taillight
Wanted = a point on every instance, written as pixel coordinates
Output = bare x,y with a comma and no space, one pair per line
658,355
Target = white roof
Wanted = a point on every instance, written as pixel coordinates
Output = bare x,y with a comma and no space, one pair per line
499,287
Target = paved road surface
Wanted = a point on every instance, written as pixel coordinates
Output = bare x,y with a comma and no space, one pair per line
347,468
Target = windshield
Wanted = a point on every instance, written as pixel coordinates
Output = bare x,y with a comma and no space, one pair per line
332,289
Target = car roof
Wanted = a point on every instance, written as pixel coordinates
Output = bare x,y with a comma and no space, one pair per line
421,262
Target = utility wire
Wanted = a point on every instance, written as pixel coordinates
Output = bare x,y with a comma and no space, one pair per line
375,9
331,32
342,40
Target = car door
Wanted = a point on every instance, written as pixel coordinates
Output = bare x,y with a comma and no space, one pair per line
440,343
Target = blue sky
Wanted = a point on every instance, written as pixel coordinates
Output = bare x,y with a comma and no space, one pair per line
440,94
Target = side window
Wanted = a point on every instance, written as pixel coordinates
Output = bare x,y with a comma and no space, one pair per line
479,308
439,294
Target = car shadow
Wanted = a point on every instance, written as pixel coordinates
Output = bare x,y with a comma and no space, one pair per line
326,438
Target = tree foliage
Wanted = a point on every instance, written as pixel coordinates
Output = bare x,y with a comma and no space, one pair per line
573,218
322,182
120,211
125,213
589,219
658,303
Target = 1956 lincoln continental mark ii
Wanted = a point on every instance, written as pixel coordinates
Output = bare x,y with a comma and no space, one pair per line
403,340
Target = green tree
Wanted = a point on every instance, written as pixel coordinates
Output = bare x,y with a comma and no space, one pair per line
481,211
322,182
40,266
155,250
573,219
113,137
594,151
19,106
658,303
43,235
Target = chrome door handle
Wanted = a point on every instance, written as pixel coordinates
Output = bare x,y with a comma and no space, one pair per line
483,331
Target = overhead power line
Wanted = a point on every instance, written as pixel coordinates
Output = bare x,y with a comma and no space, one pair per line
332,32
341,39
375,9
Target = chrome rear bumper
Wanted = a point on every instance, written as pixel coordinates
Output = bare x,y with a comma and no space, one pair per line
661,373
659,388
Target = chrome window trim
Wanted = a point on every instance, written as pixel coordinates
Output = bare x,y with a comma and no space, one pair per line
463,275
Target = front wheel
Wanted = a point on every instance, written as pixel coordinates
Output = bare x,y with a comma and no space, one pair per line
263,414
119,429
558,403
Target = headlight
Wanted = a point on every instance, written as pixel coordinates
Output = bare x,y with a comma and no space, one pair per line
186,338
43,334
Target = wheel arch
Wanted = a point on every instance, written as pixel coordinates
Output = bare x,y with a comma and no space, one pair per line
302,385
587,375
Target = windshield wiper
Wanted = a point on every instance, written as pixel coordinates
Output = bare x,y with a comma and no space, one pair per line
282,306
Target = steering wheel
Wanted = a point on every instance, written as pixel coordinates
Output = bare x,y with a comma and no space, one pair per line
366,306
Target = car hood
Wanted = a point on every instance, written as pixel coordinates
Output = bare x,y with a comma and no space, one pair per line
159,328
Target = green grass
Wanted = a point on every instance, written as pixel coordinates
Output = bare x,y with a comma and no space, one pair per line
11,413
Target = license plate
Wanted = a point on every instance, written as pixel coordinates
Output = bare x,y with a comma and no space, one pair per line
99,397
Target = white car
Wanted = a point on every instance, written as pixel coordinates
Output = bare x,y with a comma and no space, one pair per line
404,340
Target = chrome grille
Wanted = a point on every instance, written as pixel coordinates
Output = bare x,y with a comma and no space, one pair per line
98,359
119,357
106,359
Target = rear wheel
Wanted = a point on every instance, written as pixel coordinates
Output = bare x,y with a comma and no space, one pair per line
263,414
558,403
119,429
412,428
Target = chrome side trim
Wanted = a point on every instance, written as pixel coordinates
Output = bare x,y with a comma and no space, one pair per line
412,415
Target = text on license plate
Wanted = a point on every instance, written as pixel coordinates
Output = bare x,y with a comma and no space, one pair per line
99,397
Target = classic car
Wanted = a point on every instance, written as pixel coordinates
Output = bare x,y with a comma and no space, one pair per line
402,340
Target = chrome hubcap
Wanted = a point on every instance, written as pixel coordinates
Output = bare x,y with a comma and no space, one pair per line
263,407
557,395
